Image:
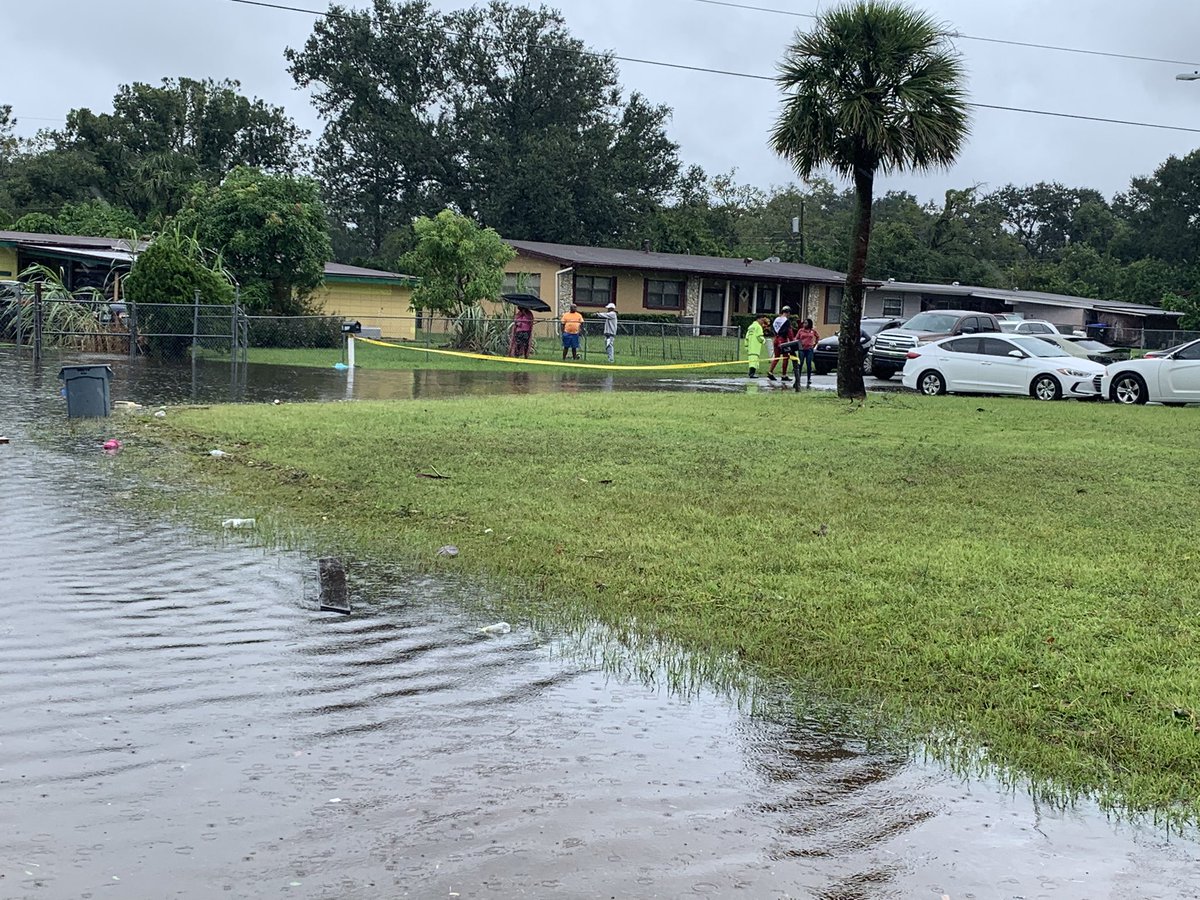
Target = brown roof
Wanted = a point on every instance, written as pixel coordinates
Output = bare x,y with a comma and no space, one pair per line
717,266
120,250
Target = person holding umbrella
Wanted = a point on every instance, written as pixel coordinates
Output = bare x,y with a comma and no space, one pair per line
522,332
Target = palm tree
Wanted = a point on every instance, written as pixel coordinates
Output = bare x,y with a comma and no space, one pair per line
874,86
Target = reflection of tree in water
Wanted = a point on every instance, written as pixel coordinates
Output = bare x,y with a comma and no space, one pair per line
519,382
830,796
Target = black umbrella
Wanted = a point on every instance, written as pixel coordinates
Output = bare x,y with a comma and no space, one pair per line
527,301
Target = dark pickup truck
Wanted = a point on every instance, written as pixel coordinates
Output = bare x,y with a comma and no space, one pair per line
890,349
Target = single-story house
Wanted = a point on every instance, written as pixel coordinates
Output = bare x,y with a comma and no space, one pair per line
375,298
1126,322
700,290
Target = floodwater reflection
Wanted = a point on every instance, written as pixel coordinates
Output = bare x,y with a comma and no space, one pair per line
179,719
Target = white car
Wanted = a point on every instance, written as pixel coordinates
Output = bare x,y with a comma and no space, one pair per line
1173,379
1028,326
1000,364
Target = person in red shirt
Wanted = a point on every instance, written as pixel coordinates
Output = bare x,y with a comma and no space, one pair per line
806,339
522,332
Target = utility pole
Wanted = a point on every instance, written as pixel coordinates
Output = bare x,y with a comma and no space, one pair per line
798,230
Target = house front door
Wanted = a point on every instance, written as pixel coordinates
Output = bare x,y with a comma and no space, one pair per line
712,307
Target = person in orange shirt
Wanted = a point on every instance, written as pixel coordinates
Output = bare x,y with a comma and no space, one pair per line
572,324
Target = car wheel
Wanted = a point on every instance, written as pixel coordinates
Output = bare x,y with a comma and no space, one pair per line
881,373
1128,388
931,383
1046,387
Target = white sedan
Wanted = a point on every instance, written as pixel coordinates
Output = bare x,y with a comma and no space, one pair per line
1000,364
1173,379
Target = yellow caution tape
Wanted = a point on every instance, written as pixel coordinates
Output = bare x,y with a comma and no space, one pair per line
607,367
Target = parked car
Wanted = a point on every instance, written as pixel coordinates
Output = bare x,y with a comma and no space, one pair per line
889,351
1158,354
825,356
1084,348
1001,364
1173,379
1028,326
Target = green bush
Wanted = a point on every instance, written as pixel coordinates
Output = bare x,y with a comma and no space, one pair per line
296,332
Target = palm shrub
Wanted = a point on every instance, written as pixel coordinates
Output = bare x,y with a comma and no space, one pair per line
476,332
70,321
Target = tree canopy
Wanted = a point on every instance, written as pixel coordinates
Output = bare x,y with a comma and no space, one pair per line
269,229
460,264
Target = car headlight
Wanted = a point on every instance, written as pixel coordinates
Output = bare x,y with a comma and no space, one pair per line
1073,373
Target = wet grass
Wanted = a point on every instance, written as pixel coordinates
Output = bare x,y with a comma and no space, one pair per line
629,352
1013,584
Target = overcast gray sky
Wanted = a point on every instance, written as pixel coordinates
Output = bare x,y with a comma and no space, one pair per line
70,53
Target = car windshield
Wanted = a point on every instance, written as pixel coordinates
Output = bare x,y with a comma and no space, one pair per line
931,321
1093,346
1037,347
870,329
1009,326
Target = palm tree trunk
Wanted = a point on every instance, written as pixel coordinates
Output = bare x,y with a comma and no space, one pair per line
850,362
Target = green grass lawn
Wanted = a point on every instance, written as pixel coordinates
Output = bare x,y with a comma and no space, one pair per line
629,350
1003,580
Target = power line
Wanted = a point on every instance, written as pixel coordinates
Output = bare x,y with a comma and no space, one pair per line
971,37
754,77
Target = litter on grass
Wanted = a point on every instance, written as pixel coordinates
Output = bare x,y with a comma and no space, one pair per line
238,523
448,550
217,453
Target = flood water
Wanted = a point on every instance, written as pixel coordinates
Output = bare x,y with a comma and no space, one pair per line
177,719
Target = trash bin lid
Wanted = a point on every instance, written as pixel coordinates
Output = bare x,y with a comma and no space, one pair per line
85,371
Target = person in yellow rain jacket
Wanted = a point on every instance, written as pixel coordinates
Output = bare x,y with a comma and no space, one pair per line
754,342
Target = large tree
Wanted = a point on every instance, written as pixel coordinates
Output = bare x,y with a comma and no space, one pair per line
495,110
873,87
270,231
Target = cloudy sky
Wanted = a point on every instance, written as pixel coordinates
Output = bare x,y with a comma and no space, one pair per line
76,52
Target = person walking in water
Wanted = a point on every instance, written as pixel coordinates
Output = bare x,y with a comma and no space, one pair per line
572,324
522,332
754,343
783,332
610,329
806,338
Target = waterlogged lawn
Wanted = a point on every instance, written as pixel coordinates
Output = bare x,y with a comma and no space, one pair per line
1002,579
630,351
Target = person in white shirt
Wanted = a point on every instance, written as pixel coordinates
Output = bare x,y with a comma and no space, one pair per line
610,329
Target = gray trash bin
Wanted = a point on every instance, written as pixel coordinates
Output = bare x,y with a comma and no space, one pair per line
87,390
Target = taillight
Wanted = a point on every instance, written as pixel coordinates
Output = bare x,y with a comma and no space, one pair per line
912,354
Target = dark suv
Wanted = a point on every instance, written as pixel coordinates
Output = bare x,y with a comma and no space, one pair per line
889,352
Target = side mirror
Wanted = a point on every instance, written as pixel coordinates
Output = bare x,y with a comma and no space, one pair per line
1016,354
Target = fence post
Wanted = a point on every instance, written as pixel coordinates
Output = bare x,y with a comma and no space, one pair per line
195,323
37,321
132,323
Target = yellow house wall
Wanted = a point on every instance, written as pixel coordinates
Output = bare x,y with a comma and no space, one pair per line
387,307
8,262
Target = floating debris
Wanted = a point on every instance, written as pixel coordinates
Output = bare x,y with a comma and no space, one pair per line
111,446
239,523
498,628
217,453
448,550
335,596
3,440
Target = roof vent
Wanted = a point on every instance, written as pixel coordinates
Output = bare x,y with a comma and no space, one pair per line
955,283
747,260
771,259
645,246
891,281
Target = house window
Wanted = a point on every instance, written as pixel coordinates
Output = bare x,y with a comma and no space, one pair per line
522,283
595,290
893,307
833,305
664,294
766,299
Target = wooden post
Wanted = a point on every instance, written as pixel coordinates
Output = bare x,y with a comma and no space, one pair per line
335,597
